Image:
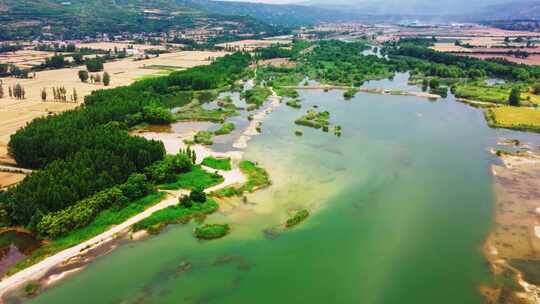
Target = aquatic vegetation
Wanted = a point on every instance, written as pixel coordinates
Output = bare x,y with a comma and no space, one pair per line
285,92
337,130
211,231
297,218
517,118
217,163
257,177
175,215
195,112
298,132
225,129
294,103
203,138
350,93
314,119
197,178
256,96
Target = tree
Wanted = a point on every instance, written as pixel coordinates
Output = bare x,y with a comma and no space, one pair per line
97,78
75,96
83,75
515,95
10,92
44,95
434,83
94,65
106,79
197,196
536,88
185,201
78,58
1,91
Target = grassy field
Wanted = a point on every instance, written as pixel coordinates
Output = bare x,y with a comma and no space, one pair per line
482,93
518,118
217,163
197,178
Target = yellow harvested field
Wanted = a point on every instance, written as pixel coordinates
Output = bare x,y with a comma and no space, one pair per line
25,58
15,114
516,116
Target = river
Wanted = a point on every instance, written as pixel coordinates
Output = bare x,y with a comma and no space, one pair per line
401,204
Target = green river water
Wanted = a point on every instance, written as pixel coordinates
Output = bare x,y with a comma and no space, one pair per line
401,205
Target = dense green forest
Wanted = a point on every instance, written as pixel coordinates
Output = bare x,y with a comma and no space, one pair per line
82,152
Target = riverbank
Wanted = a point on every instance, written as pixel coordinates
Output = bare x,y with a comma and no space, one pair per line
513,246
46,271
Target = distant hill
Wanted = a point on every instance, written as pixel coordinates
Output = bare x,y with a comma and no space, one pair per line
515,10
23,19
281,15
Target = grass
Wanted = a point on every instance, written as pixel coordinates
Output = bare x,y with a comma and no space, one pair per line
350,93
210,232
197,178
225,129
294,103
495,94
257,178
314,119
204,138
297,218
31,289
517,118
217,163
256,96
195,112
286,92
103,221
174,215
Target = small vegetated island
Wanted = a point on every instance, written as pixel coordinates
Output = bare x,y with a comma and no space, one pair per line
297,218
317,120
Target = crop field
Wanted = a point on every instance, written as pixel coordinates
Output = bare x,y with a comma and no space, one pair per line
14,114
521,118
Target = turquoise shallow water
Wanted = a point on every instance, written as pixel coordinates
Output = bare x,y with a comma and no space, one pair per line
401,204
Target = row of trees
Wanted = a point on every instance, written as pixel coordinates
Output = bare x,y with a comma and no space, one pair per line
60,95
16,91
95,78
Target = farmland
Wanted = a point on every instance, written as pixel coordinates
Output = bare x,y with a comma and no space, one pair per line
14,114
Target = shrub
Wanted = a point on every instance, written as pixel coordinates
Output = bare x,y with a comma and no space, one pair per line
197,196
94,65
214,231
83,75
297,218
